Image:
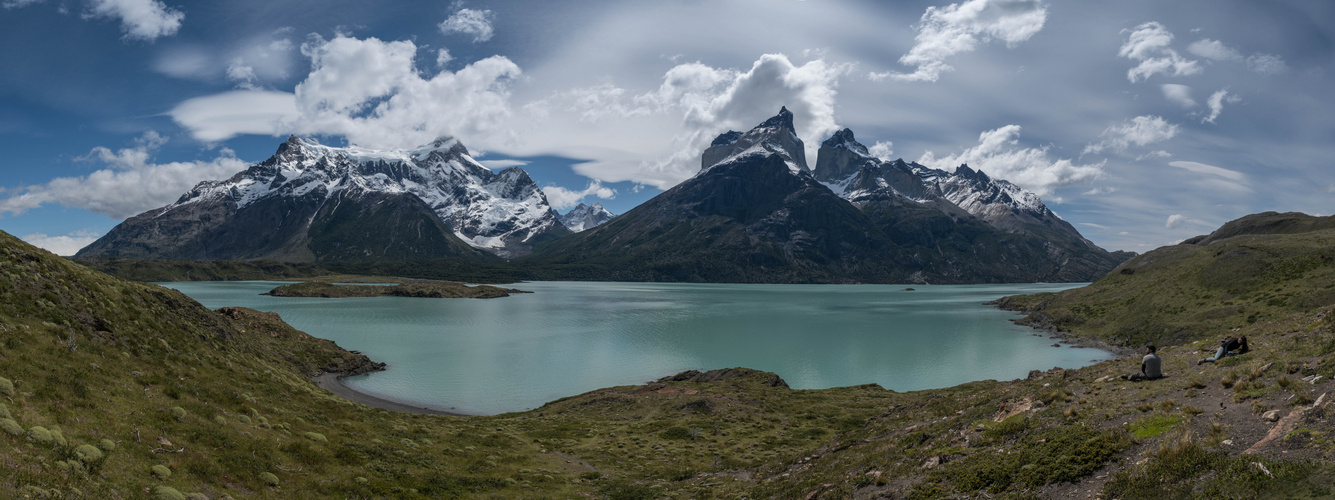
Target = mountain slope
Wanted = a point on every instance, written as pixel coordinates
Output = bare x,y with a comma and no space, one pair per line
752,214
313,202
586,217
980,226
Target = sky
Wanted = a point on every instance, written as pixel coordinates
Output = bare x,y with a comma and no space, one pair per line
1141,122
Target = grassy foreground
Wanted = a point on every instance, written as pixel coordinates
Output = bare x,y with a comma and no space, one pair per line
115,389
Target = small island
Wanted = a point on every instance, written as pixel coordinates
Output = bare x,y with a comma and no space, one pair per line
393,288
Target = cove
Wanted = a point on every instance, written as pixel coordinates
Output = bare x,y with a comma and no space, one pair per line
515,353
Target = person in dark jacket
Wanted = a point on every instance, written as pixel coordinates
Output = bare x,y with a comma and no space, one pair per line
1231,346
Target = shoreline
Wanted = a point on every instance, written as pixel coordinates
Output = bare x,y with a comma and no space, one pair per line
333,383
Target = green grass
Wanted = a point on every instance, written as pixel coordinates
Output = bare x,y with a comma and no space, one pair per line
180,398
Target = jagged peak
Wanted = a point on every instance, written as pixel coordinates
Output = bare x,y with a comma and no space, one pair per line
844,138
782,120
726,138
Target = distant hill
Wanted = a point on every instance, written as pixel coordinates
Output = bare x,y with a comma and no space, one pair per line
1255,268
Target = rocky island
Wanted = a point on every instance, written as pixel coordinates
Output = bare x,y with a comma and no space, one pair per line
405,288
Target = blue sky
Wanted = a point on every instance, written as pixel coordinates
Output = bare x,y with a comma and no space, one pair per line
1141,122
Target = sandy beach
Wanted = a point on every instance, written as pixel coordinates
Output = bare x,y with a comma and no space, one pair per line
331,382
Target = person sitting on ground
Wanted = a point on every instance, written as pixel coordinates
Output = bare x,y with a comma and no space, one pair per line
1150,366
1231,346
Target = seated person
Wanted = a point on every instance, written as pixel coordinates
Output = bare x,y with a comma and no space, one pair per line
1150,366
1231,346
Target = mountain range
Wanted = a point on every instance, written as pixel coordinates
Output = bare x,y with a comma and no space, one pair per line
755,212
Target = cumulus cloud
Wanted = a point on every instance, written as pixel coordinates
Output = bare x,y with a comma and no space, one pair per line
368,91
443,57
62,245
561,198
883,150
999,155
957,28
129,184
1139,131
1174,221
1202,168
1260,62
1150,44
1216,104
655,137
1178,94
470,22
250,63
140,19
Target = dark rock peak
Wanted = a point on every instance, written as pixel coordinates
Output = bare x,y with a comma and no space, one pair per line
782,120
969,173
845,139
775,135
726,138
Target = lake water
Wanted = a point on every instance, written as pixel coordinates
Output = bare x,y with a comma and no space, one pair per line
515,353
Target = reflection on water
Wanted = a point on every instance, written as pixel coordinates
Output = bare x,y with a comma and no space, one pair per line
518,352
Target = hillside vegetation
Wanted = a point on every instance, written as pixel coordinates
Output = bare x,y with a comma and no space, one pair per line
115,389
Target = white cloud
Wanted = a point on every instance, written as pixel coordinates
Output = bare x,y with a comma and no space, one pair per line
368,91
251,63
219,117
443,57
130,184
1100,190
999,155
561,198
1174,221
946,31
656,137
13,4
470,22
1178,94
140,19
501,164
1214,49
1260,62
1216,103
1154,154
1202,168
1267,64
243,75
1150,45
1093,225
883,150
1140,131
65,245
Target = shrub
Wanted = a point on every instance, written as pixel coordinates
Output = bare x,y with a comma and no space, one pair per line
178,413
243,419
196,496
167,493
6,387
11,427
676,433
40,434
58,437
161,471
88,453
269,478
220,420
315,436
4,411
1012,425
106,445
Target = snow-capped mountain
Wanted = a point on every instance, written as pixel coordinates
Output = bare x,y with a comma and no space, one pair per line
586,217
305,183
775,136
846,167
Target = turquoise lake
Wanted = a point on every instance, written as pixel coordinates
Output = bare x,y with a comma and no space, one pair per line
516,353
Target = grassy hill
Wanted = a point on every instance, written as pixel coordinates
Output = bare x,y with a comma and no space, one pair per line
116,389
